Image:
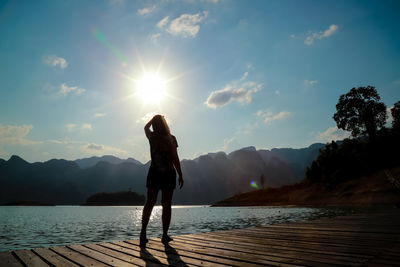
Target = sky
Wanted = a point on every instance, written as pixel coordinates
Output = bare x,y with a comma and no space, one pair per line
235,73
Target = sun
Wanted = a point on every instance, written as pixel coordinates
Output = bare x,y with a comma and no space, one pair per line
151,88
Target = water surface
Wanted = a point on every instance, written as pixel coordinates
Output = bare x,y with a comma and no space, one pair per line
31,227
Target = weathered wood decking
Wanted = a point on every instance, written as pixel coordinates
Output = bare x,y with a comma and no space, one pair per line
371,239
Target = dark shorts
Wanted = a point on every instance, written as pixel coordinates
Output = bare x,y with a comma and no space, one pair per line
157,179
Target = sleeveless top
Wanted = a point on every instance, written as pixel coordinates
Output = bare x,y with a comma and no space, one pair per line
161,149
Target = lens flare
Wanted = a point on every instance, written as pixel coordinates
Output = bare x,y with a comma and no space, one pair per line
254,184
102,39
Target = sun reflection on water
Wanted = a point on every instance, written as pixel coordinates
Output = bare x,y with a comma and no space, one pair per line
30,227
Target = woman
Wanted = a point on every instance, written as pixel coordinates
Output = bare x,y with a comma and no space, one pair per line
161,175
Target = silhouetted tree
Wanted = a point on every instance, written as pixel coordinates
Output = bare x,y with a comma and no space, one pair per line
396,116
361,112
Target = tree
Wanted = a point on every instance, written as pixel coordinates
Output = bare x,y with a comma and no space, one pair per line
361,112
396,116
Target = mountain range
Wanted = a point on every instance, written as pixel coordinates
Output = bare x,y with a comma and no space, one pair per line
208,178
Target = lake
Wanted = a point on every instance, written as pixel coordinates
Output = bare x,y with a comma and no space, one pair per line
31,227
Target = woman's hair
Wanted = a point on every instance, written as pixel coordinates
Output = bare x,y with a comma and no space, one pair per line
160,125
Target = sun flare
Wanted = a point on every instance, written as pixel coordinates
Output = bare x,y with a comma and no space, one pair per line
151,88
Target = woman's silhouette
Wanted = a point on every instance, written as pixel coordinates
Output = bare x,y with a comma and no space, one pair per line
161,175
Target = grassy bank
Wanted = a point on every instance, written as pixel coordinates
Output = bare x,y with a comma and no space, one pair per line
375,189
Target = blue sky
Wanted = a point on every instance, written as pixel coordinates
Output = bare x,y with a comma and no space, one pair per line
239,73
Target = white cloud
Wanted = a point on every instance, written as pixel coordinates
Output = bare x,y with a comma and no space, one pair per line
18,141
86,126
65,89
146,10
330,30
99,115
244,75
241,93
155,36
292,36
268,117
332,134
94,147
15,135
163,22
320,35
310,82
15,130
99,149
54,61
70,126
58,142
187,25
277,92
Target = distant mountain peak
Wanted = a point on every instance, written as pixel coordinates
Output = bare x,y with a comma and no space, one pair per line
15,158
249,148
92,161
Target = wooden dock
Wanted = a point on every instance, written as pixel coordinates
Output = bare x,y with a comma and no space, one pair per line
371,239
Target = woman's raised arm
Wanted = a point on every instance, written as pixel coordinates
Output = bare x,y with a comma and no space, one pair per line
147,128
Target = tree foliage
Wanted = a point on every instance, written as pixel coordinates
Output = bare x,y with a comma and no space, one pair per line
360,112
396,116
340,161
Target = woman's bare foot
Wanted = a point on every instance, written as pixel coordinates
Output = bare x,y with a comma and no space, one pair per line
166,239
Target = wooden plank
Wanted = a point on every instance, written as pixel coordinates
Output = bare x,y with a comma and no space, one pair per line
326,234
321,240
300,235
350,224
277,251
144,257
313,242
116,254
347,248
53,258
382,262
294,245
8,259
76,257
336,244
29,258
370,229
277,245
100,256
140,259
188,256
324,231
344,235
235,256
156,248
263,252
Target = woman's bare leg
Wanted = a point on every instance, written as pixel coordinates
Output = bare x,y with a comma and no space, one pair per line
148,207
166,200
